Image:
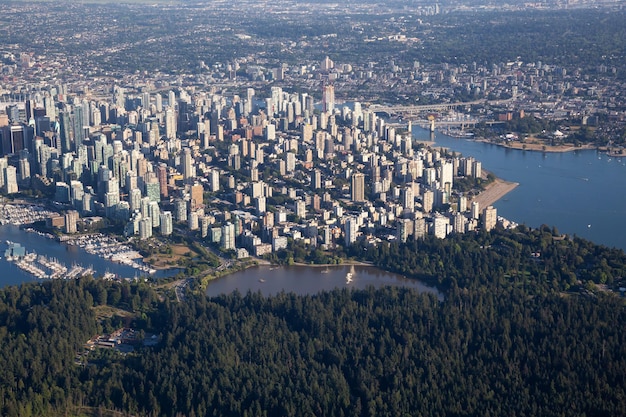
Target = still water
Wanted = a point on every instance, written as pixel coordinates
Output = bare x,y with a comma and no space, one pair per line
310,280
581,193
66,254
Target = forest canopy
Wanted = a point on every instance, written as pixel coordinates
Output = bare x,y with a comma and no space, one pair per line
513,335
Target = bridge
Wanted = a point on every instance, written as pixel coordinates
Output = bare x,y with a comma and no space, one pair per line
421,108
432,124
411,111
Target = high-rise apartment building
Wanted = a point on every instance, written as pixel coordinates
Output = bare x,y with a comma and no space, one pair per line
197,195
215,180
10,180
408,198
228,236
490,218
167,226
145,228
71,218
475,210
350,230
428,200
170,123
328,99
187,164
358,187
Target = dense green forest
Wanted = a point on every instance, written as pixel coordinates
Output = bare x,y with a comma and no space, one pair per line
521,329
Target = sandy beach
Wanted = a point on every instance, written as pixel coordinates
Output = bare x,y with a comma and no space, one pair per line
493,192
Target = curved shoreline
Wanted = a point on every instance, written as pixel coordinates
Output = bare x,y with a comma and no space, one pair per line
494,192
537,147
345,262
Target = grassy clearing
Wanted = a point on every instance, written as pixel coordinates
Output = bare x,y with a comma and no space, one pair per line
172,258
106,312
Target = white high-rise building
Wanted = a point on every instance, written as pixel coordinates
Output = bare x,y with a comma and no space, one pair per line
428,200
404,228
328,99
291,162
71,218
170,123
135,199
4,163
475,210
350,230
24,169
459,223
215,180
462,206
447,174
171,99
145,228
10,180
155,213
159,102
429,176
440,226
228,236
408,198
490,218
248,107
167,226
193,221
260,205
300,208
270,132
188,165
477,169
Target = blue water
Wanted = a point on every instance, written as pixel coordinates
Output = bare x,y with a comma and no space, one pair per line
66,254
581,193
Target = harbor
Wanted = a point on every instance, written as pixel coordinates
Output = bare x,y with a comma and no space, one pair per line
42,267
99,256
21,214
108,247
120,259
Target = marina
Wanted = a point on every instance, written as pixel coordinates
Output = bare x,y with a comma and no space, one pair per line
41,266
105,247
95,255
108,247
20,214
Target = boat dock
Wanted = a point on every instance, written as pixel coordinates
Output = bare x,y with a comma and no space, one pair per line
42,267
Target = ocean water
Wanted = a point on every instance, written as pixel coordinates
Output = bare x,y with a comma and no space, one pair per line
581,193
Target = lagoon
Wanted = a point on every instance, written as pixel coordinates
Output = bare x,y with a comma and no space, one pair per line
305,280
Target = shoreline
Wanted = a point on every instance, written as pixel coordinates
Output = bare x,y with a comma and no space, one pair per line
536,147
494,192
343,263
